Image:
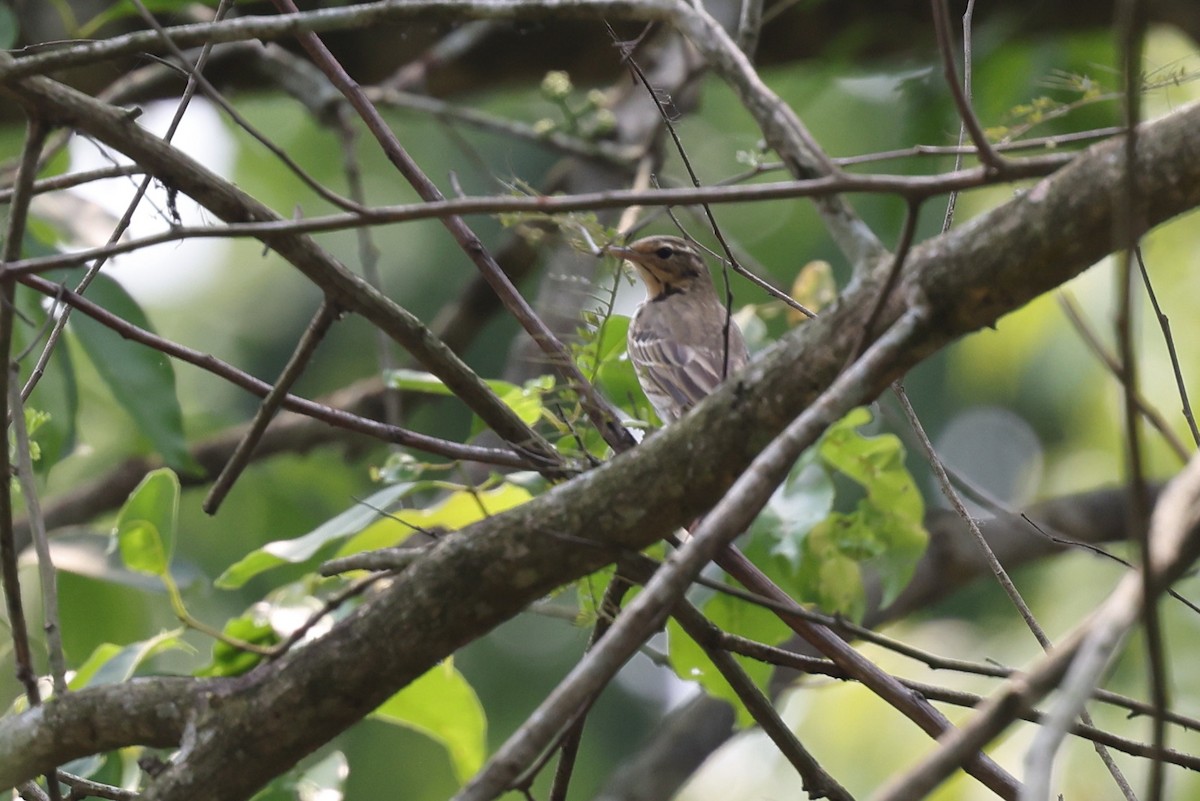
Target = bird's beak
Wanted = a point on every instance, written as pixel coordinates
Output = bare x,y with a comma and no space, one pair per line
622,253
627,255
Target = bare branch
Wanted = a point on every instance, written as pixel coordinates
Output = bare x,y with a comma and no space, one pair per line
341,286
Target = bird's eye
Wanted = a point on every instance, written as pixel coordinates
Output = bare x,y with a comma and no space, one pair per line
664,252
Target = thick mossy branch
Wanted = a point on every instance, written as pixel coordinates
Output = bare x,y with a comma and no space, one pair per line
252,728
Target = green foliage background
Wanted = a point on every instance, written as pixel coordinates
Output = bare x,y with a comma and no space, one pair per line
1031,365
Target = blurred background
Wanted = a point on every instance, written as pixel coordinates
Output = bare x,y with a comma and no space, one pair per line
1024,411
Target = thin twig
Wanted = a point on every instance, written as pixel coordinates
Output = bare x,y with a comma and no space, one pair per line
607,611
998,571
941,14
911,214
1165,325
226,201
956,503
1035,143
60,322
298,70
85,788
636,69
368,256
70,180
783,131
1130,25
987,154
35,136
600,411
597,150
952,200
817,782
335,417
316,330
454,45
37,525
750,23
823,667
1069,306
361,15
1174,534
352,590
911,188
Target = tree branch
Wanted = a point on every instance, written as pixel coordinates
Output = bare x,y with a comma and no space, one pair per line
256,726
341,287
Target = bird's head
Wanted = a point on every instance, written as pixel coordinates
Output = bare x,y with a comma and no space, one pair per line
667,264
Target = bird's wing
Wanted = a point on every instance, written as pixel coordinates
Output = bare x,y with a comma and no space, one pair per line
681,374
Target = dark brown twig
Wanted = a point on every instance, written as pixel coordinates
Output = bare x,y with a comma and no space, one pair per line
817,782
602,414
910,188
317,328
1130,29
35,137
893,276
1165,325
47,577
334,417
636,69
368,252
992,160
607,610
823,667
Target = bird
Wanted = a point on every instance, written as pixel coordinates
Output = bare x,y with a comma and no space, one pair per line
681,341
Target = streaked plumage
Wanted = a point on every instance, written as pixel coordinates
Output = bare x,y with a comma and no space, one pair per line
677,339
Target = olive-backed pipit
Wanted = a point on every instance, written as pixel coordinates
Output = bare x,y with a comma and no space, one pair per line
677,338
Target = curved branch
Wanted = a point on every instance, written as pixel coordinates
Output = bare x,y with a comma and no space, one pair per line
256,726
327,19
152,712
53,100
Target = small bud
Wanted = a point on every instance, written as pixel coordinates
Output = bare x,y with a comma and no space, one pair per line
556,85
603,122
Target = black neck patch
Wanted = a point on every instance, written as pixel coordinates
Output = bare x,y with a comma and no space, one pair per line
667,291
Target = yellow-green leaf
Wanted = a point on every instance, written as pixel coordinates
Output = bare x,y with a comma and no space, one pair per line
146,524
443,706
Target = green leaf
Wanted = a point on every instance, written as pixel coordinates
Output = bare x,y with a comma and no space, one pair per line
430,384
875,462
457,510
146,525
443,706
525,401
819,555
590,592
141,379
829,577
87,552
301,549
801,502
605,358
612,337
113,664
737,617
228,660
888,526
